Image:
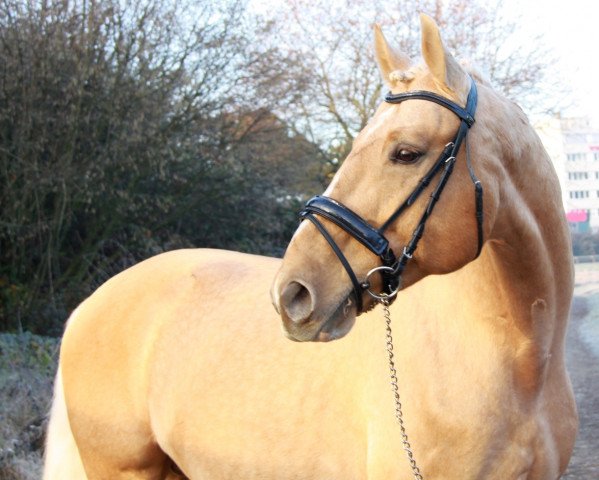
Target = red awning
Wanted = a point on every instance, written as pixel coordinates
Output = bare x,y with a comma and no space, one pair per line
577,216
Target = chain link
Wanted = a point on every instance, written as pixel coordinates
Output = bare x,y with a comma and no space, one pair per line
395,388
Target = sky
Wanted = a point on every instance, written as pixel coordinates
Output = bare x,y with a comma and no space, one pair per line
571,30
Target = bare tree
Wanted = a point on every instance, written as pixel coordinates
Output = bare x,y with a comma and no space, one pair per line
334,40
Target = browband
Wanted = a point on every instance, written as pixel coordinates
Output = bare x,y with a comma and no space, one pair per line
438,99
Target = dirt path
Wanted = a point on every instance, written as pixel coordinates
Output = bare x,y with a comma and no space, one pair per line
582,356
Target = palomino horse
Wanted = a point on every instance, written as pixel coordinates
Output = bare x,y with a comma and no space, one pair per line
178,368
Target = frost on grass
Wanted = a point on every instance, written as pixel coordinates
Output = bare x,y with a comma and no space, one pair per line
27,368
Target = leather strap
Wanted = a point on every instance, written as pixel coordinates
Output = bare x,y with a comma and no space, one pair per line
467,120
349,221
422,184
478,200
373,238
463,113
350,272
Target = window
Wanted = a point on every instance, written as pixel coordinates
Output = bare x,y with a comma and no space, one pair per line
580,193
580,175
573,157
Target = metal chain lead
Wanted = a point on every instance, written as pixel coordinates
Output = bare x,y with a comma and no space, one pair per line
395,388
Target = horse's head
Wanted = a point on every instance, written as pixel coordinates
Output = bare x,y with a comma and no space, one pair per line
323,280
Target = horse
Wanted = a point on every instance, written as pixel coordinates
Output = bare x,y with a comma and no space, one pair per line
179,367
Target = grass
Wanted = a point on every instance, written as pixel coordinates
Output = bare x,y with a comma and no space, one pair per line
27,368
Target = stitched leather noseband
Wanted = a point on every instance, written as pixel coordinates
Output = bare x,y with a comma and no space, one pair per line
374,238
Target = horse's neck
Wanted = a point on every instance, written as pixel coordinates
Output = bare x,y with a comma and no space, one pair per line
516,295
518,268
528,255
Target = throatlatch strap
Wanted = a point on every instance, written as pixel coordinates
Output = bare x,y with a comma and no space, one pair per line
478,200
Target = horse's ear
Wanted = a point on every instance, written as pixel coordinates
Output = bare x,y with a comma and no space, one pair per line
446,71
389,59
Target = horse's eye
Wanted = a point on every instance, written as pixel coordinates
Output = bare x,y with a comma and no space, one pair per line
404,155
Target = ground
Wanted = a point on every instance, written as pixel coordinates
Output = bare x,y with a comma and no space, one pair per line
27,365
582,350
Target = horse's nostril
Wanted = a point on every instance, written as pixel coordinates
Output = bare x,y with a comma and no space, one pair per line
297,302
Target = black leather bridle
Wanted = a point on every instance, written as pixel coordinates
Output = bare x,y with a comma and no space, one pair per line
373,238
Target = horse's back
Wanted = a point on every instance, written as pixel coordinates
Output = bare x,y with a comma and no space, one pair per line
132,307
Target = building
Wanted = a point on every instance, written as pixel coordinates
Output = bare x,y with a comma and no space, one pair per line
573,145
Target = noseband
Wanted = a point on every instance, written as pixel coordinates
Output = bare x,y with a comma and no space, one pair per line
373,238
